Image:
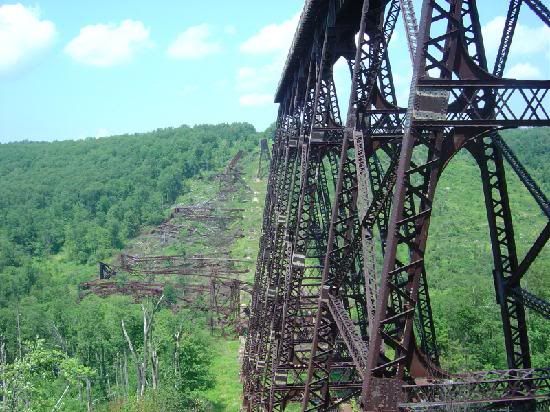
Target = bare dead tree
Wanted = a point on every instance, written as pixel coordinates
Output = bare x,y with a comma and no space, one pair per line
139,365
18,323
2,366
148,352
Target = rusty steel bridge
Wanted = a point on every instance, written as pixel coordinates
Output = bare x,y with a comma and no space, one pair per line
330,325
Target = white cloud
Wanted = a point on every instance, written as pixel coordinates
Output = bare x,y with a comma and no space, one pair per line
523,71
194,43
252,78
256,99
258,82
230,29
22,35
261,80
105,45
272,38
527,40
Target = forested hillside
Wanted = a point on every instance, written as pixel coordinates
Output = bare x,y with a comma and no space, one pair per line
65,206
87,197
459,259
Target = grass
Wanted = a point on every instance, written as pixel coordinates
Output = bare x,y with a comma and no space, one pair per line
226,394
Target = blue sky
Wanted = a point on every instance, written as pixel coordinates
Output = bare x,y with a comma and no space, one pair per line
90,69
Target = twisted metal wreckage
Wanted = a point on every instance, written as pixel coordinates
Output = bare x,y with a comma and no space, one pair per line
327,325
206,283
209,283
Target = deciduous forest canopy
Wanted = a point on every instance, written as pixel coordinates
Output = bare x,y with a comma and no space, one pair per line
66,205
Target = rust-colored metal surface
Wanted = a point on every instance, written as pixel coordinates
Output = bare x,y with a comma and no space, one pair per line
328,325
207,283
264,159
203,283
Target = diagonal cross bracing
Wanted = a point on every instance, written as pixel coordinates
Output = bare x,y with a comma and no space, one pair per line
347,192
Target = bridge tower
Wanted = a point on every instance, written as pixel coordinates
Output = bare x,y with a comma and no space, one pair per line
341,308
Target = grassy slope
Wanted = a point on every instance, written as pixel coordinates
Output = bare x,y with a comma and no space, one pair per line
226,395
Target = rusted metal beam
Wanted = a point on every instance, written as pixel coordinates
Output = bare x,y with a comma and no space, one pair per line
324,319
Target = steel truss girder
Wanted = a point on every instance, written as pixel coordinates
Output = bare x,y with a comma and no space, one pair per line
504,251
431,115
325,323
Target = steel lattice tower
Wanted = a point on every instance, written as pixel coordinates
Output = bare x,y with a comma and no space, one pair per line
327,323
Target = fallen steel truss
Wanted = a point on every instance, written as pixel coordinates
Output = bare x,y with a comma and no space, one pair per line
203,283
341,306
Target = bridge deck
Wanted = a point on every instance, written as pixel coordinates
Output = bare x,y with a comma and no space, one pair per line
303,37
